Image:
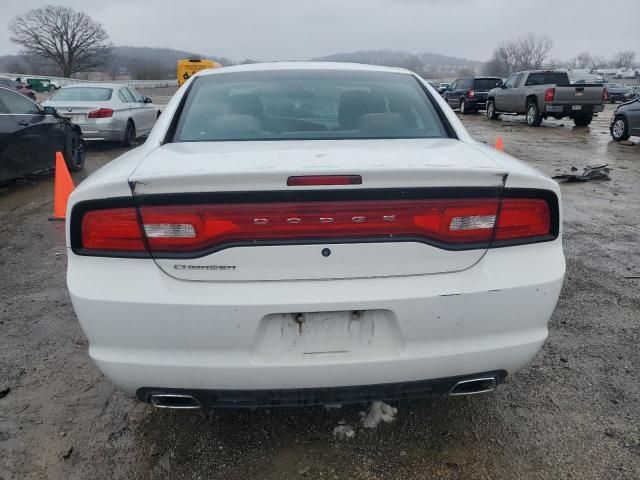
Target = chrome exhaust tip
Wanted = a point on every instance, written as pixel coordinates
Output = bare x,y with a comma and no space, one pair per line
175,401
473,386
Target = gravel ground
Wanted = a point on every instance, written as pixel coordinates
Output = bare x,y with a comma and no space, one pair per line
573,413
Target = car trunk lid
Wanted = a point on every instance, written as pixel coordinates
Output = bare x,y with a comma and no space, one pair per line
312,232
77,112
578,95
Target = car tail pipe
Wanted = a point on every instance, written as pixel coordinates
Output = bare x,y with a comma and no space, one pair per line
177,401
472,386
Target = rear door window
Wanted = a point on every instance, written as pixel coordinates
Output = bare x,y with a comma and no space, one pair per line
486,84
16,104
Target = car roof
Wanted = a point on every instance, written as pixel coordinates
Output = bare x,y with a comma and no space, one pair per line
544,71
95,84
260,67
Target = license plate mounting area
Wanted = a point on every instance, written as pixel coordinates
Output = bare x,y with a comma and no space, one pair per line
309,336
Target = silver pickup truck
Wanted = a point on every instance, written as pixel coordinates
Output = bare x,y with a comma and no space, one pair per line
541,94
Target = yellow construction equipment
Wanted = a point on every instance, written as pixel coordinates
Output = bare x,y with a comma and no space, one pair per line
191,66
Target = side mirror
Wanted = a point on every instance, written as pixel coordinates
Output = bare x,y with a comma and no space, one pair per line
503,86
147,100
50,110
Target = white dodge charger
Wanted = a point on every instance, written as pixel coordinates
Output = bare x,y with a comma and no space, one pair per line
308,233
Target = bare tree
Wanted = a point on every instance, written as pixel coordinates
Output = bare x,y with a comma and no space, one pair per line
526,53
598,62
70,39
624,59
583,60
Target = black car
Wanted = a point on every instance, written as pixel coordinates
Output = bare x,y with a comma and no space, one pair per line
470,94
30,136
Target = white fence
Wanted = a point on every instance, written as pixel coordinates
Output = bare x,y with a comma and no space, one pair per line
61,81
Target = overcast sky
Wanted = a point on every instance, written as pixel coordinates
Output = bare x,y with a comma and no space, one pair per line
302,29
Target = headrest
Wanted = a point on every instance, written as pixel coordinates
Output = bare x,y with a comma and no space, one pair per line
355,103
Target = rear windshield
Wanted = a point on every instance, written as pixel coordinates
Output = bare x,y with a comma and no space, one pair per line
82,94
486,83
547,78
309,105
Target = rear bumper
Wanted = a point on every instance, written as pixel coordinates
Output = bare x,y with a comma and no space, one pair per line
439,387
147,329
106,132
477,103
569,109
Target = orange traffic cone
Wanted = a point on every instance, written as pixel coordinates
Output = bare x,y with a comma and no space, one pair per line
499,144
63,187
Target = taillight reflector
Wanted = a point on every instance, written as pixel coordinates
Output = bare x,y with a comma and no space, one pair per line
315,180
195,228
101,113
471,93
605,94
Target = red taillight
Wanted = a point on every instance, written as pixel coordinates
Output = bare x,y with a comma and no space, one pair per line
315,180
523,218
605,94
446,221
101,113
112,229
471,93
549,94
194,228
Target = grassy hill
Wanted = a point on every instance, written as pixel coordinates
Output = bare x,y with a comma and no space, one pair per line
158,63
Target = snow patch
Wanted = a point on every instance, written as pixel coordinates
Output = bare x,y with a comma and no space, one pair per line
378,412
343,431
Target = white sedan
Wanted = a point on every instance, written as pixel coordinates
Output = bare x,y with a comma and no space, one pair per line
106,111
308,233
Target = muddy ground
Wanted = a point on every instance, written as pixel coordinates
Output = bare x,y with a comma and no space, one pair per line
573,413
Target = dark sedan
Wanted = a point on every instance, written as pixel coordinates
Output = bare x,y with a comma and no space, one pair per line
31,135
616,92
626,121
